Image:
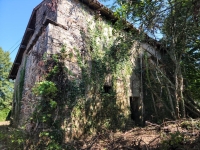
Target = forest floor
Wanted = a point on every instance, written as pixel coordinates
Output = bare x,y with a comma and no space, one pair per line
3,128
2,123
170,135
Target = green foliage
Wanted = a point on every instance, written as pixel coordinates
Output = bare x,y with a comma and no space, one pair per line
12,138
174,141
3,113
98,108
21,82
6,86
45,88
110,56
163,20
190,124
49,140
52,99
192,72
18,93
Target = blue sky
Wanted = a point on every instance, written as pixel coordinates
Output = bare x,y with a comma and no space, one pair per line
14,17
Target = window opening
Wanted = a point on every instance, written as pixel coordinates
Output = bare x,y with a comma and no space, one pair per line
107,89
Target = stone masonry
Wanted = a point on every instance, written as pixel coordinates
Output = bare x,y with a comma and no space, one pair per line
55,23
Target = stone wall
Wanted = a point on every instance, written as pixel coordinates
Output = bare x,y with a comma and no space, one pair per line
31,70
18,93
73,27
79,19
47,9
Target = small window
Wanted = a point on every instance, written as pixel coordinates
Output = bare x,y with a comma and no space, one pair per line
83,52
107,89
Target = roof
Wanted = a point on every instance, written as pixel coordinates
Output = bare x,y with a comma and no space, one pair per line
93,4
28,33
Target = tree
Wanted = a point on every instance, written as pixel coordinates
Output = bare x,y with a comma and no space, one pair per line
175,24
6,86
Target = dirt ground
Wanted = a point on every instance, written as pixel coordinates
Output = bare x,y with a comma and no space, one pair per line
171,135
4,123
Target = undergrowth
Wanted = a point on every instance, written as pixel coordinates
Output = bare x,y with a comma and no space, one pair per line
12,138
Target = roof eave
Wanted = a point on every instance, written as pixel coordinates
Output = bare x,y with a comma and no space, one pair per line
29,30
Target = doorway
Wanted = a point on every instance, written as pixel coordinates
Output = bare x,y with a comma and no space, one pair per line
134,108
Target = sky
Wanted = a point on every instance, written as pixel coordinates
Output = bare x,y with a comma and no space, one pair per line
14,17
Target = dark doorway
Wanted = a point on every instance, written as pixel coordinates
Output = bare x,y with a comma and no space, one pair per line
134,107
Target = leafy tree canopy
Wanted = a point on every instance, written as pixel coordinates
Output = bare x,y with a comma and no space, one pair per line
175,24
6,86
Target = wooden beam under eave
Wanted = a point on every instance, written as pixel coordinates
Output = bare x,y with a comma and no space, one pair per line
22,47
94,3
100,9
30,30
18,64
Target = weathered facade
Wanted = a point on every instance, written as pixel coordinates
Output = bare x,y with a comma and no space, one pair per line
76,25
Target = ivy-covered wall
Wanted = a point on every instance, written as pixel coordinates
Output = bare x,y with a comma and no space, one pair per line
81,76
105,69
30,71
18,93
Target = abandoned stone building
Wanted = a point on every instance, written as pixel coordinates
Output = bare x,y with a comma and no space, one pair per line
84,28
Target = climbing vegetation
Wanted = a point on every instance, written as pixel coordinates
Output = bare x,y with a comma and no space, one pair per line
83,103
170,83
17,96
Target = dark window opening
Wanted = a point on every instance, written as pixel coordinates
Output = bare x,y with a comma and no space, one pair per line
107,89
91,49
83,52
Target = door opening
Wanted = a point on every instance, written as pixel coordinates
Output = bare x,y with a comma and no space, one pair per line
134,108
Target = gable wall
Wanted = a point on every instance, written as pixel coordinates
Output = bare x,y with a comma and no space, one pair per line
31,68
